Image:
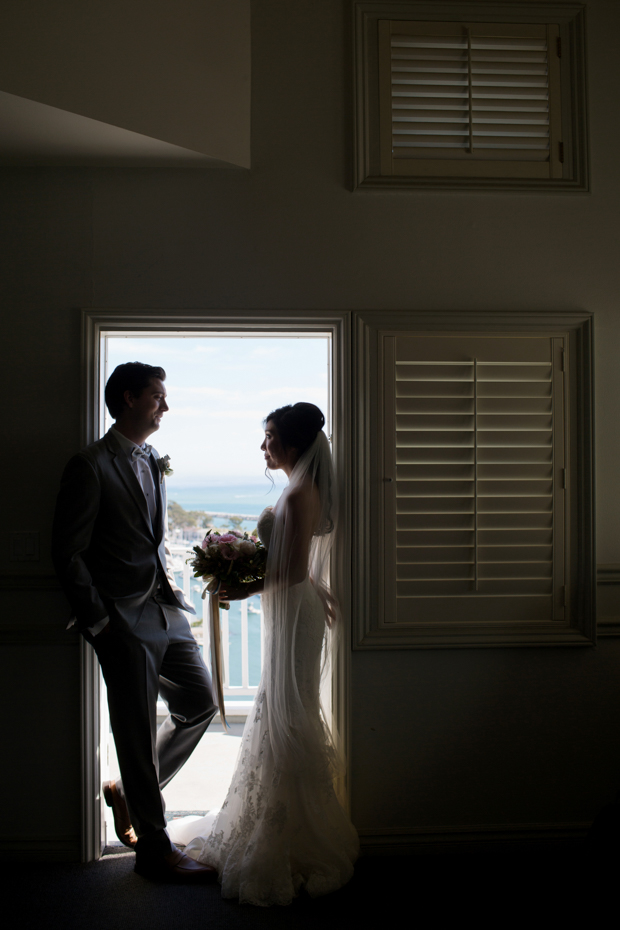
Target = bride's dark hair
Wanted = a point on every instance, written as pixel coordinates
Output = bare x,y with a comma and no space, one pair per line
298,425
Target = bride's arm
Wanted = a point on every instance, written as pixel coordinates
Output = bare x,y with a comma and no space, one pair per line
299,518
329,602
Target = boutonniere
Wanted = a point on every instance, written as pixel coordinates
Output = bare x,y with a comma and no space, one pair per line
164,467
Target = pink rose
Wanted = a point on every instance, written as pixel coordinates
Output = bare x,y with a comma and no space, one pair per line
227,538
229,546
229,552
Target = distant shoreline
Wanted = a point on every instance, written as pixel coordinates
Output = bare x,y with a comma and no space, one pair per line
244,516
225,500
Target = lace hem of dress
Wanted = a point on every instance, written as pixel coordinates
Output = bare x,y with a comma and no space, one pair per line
278,832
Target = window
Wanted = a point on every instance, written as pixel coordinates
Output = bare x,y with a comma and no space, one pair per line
335,325
480,532
480,103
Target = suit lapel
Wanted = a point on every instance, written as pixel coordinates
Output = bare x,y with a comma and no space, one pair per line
130,481
159,497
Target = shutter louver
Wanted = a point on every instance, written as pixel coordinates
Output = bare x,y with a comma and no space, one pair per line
470,93
474,458
478,95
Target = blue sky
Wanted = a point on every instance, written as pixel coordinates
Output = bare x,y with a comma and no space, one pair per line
219,391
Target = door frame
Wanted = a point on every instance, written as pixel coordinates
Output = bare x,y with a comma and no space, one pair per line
95,323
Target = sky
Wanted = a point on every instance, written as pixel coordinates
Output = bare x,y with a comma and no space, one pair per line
219,391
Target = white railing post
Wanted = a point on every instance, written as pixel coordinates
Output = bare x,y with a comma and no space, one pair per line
225,647
245,657
187,578
205,622
206,634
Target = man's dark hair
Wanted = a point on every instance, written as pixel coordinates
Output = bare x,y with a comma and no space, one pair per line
132,376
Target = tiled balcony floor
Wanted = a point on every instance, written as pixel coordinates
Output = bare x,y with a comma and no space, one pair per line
202,783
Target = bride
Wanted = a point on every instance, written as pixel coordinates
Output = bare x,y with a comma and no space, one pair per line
281,827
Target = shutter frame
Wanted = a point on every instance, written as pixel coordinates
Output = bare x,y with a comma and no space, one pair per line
378,625
508,498
373,166
463,87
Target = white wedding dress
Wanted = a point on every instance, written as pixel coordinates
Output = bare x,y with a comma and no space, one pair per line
281,827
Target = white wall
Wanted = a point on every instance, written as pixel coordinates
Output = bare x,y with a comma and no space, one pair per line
482,736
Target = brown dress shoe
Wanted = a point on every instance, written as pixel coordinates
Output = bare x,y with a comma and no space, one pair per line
122,822
175,867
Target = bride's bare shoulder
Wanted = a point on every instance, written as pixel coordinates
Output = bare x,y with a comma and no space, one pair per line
306,490
302,502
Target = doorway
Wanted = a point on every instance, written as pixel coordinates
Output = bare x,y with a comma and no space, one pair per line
218,383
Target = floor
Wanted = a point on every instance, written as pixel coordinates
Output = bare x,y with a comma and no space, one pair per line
202,783
532,887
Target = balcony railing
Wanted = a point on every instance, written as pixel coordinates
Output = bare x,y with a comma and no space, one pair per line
180,552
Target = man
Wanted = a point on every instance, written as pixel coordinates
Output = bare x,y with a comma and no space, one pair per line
110,554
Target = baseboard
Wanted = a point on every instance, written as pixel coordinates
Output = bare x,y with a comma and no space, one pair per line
474,838
425,840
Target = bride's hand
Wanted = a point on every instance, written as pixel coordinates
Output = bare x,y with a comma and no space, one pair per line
229,593
330,604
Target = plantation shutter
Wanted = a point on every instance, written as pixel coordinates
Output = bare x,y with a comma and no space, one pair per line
474,477
470,99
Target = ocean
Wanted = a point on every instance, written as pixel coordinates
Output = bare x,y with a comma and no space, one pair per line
233,498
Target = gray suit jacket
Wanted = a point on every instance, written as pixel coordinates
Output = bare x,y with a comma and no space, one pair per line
106,554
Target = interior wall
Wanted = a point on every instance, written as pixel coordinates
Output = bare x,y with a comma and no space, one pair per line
440,738
177,72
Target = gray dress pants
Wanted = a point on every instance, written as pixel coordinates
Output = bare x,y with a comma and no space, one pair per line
159,656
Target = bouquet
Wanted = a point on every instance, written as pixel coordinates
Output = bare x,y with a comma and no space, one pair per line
235,557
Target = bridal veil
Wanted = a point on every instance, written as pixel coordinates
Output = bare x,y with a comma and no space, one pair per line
281,827
293,735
